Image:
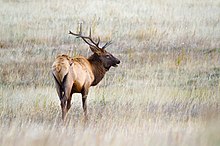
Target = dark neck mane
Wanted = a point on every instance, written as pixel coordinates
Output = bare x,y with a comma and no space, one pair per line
97,69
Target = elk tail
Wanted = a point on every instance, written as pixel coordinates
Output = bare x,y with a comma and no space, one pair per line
58,82
60,72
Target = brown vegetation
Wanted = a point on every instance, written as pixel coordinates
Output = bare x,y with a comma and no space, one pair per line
165,92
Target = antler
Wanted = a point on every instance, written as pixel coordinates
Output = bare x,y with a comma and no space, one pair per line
93,43
107,44
84,38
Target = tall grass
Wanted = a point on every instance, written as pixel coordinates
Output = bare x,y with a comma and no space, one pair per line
166,91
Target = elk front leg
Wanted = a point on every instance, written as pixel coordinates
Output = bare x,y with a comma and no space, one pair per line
84,101
68,104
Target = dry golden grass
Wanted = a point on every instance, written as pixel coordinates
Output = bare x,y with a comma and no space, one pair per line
166,91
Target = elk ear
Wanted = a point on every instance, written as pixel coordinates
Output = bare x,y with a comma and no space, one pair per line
95,49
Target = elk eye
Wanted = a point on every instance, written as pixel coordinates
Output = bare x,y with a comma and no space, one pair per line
108,56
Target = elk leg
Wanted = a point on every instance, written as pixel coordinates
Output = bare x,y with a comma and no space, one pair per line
59,90
84,102
69,103
63,107
67,98
70,92
62,99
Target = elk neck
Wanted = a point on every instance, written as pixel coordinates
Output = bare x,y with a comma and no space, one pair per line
97,68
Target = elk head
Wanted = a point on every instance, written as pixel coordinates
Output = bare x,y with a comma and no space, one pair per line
107,59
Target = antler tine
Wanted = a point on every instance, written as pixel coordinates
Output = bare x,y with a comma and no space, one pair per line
98,41
80,28
90,33
107,44
90,38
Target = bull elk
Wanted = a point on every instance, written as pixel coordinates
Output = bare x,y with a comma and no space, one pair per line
78,74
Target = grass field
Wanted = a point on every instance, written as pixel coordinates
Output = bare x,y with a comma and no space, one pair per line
165,92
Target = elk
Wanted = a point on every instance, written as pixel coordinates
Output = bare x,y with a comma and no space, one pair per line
78,74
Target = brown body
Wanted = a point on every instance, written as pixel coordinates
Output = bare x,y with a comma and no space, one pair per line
76,75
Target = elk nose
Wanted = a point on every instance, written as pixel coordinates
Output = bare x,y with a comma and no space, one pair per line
118,62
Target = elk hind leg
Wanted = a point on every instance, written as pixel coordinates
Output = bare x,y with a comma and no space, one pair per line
67,99
62,99
63,107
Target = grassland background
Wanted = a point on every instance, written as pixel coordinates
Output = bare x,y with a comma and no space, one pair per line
166,91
